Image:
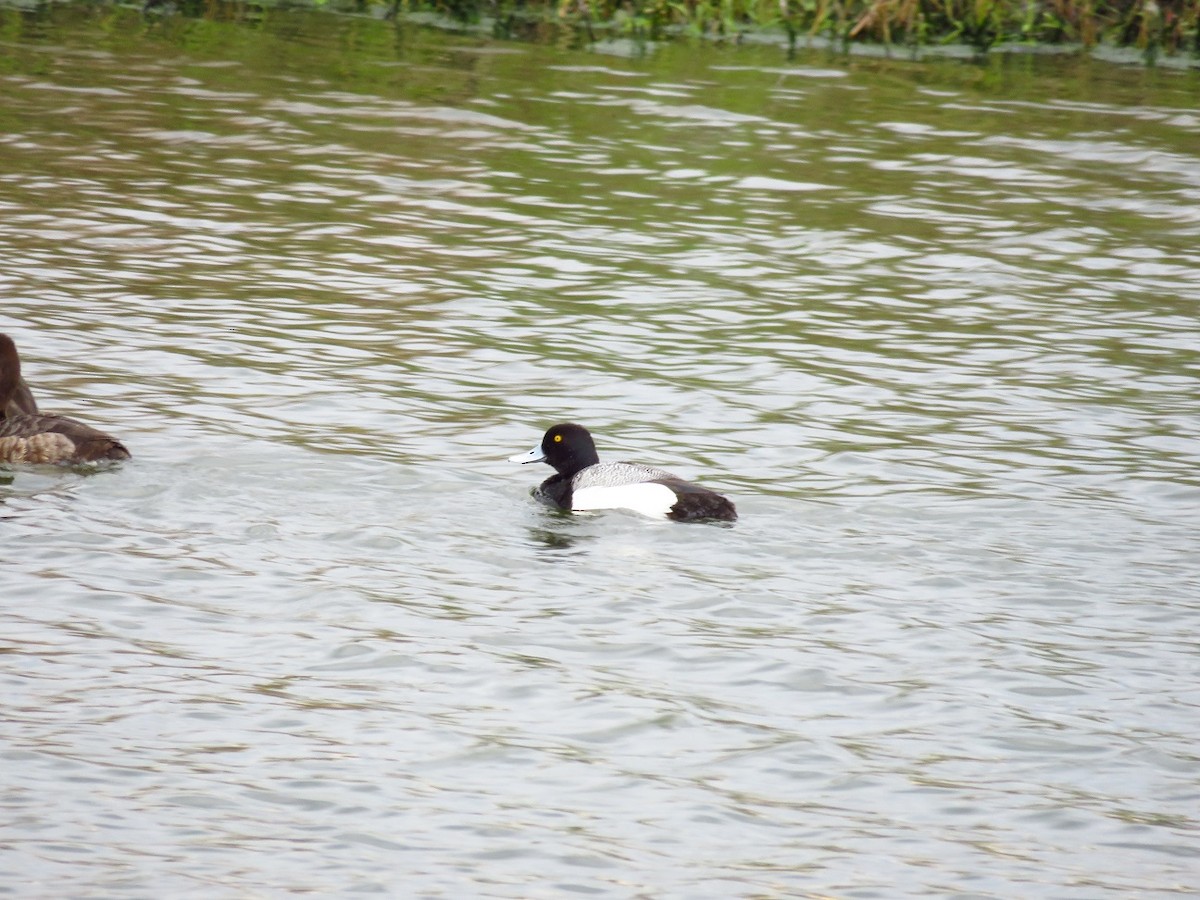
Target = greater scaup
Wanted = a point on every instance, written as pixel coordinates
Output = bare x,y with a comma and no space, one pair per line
585,483
28,436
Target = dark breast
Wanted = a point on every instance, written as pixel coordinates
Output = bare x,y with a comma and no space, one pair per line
21,403
555,491
55,439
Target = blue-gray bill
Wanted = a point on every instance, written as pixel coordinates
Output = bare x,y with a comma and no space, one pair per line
534,455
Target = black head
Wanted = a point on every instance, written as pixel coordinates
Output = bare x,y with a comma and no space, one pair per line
569,448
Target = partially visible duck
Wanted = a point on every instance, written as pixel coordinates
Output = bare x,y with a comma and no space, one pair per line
27,436
585,483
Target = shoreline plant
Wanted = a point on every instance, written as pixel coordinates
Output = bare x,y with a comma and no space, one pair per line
1155,27
1152,26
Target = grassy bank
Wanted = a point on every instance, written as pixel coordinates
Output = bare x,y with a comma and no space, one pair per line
1154,26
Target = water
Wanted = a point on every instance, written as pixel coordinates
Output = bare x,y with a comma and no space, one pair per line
933,328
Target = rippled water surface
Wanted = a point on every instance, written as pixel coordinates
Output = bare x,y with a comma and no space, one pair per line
932,328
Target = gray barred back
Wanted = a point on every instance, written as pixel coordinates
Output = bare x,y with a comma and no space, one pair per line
618,474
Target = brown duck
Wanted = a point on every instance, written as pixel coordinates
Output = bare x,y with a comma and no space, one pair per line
28,436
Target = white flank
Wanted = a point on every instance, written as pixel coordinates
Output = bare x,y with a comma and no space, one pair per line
647,498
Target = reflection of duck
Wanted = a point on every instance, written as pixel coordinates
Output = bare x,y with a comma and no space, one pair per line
27,436
583,482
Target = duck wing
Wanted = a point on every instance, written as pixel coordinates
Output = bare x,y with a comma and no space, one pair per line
47,438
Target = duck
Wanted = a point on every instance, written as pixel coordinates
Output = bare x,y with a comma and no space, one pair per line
583,482
30,436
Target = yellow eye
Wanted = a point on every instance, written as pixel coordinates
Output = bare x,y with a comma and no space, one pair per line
558,439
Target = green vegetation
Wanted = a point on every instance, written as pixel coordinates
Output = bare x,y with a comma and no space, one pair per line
1170,27
1154,26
